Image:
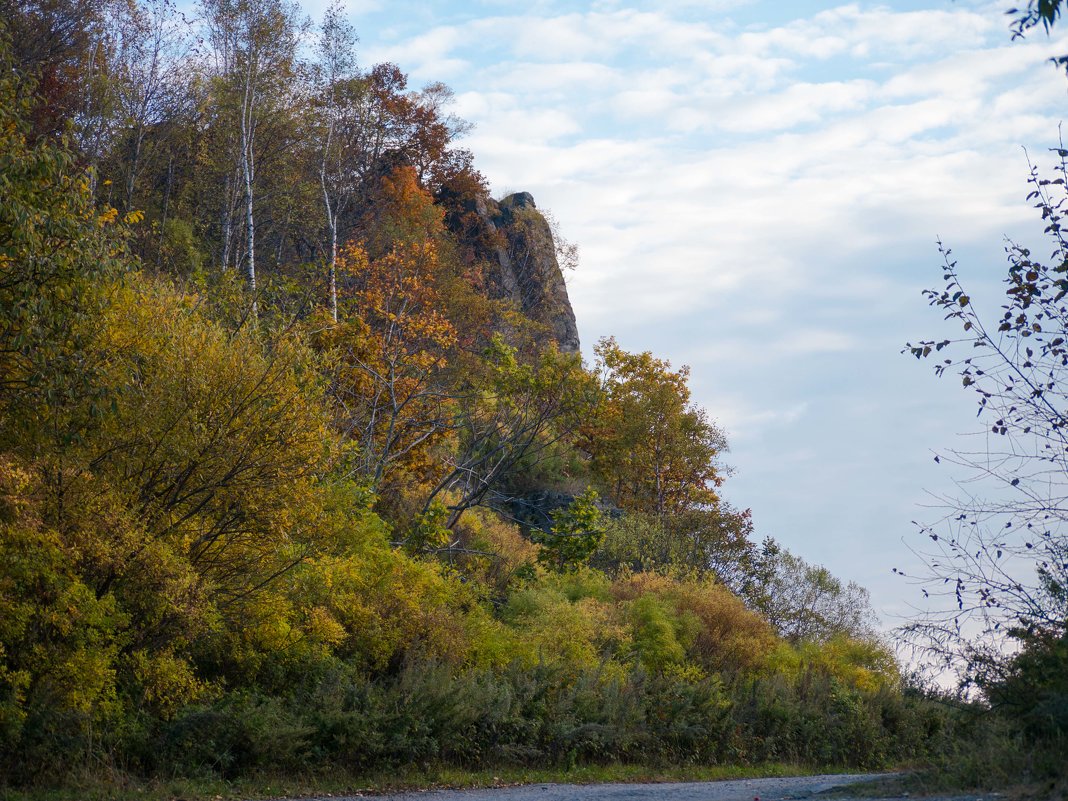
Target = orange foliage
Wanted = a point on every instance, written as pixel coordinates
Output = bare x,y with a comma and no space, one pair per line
394,343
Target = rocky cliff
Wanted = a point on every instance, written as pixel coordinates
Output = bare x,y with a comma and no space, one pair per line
525,268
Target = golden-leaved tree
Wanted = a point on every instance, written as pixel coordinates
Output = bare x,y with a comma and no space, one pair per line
652,449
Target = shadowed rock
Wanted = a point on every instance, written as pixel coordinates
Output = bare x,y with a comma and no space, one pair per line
527,270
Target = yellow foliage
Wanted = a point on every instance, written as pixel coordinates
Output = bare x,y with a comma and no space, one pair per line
728,635
107,216
492,643
58,638
555,630
652,449
166,682
689,673
15,483
323,627
84,681
865,665
482,530
386,604
216,443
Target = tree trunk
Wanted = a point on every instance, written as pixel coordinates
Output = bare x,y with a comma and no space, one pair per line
333,269
331,219
248,167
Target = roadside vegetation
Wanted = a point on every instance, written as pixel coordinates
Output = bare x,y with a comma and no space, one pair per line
995,575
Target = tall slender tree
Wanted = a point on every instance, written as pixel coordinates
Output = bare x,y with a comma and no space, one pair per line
335,72
256,68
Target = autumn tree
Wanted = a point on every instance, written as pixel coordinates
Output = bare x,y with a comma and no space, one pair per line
214,439
390,352
369,124
652,449
510,412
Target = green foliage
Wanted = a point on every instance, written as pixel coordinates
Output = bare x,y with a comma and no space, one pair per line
56,252
656,634
576,533
803,601
429,529
702,542
512,411
1032,687
179,251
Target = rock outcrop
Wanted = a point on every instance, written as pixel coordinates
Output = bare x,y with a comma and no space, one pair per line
527,271
535,509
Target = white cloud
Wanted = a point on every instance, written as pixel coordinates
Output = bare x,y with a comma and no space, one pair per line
742,421
527,78
426,57
865,32
800,103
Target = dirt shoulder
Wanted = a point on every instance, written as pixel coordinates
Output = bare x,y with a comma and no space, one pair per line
772,789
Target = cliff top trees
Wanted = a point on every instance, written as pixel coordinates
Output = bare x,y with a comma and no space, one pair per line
390,353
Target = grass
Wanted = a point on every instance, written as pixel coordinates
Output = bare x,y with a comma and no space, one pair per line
119,787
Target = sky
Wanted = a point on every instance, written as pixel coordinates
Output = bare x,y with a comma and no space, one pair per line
757,189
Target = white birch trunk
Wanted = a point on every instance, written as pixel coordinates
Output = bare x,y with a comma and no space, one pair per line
248,167
331,219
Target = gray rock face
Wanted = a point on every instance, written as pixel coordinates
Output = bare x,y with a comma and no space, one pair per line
528,271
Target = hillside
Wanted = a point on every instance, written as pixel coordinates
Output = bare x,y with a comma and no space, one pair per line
274,370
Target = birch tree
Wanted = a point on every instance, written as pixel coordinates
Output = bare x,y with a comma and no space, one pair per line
153,46
336,69
255,51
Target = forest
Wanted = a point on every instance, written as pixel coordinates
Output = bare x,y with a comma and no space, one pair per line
294,476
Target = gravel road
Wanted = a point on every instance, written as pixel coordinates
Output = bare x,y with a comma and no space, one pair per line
739,790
